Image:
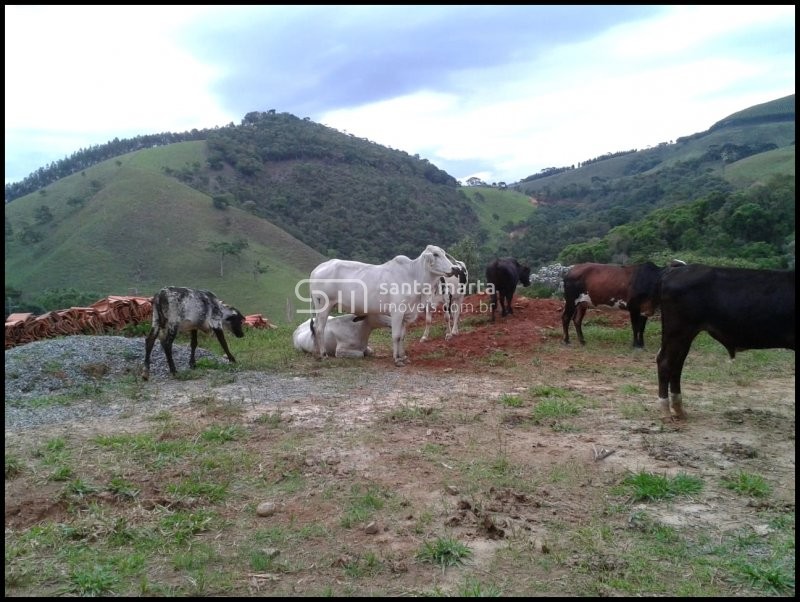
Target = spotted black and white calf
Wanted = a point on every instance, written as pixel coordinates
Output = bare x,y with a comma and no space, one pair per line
177,309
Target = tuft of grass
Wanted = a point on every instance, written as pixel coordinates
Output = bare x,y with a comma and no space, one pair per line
746,483
553,409
182,525
270,419
80,488
511,401
444,551
497,358
774,577
119,486
473,588
93,581
646,486
220,434
14,465
413,413
362,505
363,566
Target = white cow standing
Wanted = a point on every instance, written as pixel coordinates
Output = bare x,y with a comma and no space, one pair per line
399,288
345,336
450,294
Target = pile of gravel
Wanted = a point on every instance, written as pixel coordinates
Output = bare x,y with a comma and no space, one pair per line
52,366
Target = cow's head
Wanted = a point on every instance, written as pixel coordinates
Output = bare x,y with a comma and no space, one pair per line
436,261
233,320
525,276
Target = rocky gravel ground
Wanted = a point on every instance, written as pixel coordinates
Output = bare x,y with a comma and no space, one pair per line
81,378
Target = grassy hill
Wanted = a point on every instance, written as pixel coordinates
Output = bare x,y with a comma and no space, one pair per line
498,210
770,123
138,230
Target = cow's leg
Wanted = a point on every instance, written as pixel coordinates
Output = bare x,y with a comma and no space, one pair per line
566,317
193,348
398,331
493,303
428,319
166,345
638,322
509,307
148,348
453,313
221,338
669,362
318,324
577,319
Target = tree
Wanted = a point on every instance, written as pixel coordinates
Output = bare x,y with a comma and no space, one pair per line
28,235
259,269
467,251
222,201
222,249
75,201
43,214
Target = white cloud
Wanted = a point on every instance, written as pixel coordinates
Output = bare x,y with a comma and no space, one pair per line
79,75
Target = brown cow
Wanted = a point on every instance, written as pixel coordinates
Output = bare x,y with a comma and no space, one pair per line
631,287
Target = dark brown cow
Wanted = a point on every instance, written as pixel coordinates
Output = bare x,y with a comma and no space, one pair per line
503,276
740,308
177,309
630,287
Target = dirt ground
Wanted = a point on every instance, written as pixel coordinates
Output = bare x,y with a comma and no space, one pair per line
456,388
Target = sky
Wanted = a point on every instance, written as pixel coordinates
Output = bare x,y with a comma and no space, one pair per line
494,92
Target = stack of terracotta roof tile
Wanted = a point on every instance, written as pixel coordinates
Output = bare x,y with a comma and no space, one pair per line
258,321
111,313
16,327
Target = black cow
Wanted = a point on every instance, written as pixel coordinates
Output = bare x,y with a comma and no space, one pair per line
630,287
502,277
740,308
177,309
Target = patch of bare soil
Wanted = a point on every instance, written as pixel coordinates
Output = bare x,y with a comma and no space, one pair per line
426,431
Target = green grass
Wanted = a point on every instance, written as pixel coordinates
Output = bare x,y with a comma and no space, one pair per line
444,552
554,404
746,483
362,505
14,465
511,401
646,486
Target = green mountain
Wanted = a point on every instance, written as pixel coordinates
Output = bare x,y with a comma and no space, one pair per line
601,210
248,210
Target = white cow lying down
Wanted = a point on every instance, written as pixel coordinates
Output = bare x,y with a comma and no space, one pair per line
345,336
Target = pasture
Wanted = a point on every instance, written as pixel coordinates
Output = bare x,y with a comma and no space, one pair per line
499,463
